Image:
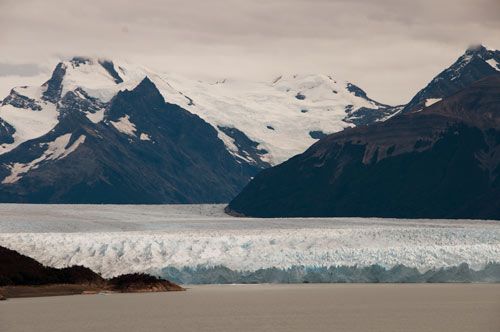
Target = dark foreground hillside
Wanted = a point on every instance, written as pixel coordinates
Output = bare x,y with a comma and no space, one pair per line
23,276
441,162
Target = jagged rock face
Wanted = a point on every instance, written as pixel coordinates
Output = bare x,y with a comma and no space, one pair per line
443,162
110,68
143,151
365,116
6,132
79,100
19,101
246,147
362,116
54,85
478,62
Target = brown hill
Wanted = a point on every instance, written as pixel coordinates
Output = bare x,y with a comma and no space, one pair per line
22,276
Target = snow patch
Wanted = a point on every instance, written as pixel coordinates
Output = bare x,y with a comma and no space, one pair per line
124,125
432,101
90,75
494,63
145,137
58,149
96,117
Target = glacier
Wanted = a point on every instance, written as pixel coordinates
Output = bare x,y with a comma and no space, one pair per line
201,244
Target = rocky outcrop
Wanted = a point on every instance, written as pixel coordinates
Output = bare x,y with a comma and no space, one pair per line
20,270
19,274
19,101
6,132
476,63
138,282
53,87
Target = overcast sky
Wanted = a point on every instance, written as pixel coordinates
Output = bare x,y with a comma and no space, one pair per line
390,48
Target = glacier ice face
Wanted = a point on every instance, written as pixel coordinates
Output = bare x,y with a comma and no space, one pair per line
334,274
121,239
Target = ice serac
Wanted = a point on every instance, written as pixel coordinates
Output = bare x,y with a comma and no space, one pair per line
476,63
109,161
199,243
442,162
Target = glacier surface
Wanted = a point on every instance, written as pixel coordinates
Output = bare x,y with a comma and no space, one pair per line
175,240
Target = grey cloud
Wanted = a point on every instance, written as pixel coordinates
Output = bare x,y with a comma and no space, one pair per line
24,69
389,47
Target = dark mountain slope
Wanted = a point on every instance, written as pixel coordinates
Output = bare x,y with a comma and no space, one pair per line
145,151
442,162
476,63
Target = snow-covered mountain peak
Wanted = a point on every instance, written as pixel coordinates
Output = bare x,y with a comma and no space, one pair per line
259,122
146,85
476,49
481,51
95,76
475,52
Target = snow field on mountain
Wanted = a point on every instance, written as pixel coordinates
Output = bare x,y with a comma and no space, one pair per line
28,124
494,63
271,113
120,239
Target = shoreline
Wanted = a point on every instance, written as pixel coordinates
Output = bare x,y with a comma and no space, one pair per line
16,292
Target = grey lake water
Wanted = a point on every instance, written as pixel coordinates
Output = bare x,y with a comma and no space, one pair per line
287,308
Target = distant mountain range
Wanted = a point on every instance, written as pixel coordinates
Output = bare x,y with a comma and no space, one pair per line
440,158
101,132
104,132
